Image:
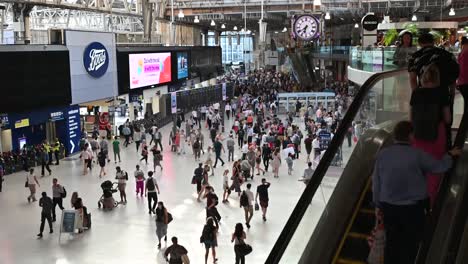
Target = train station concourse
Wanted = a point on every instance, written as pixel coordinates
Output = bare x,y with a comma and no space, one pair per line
314,132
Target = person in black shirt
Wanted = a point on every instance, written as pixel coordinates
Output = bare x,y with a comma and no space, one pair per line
262,191
176,252
47,205
198,174
266,155
218,146
211,202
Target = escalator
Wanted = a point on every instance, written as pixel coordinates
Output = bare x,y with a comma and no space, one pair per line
341,234
300,68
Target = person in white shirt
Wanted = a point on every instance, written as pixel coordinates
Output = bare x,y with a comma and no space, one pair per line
87,156
203,112
316,147
308,172
122,178
227,108
248,209
32,181
195,117
244,150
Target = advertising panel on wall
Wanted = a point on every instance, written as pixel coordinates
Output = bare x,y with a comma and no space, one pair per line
182,65
148,69
34,76
31,126
92,65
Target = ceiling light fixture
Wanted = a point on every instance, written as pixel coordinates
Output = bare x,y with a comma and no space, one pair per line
181,13
452,12
223,26
285,29
356,25
235,28
317,2
327,16
414,18
212,23
196,20
276,32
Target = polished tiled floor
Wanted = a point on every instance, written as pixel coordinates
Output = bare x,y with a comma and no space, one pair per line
127,234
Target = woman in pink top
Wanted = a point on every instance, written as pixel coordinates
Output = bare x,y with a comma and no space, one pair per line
462,85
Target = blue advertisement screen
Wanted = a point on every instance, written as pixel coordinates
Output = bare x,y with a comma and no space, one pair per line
182,65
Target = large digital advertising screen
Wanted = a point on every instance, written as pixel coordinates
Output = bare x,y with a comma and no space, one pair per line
182,65
148,69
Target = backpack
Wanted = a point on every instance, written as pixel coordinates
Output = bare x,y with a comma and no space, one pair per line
244,199
64,193
196,144
150,184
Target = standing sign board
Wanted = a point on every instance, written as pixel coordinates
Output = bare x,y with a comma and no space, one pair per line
74,131
69,221
325,139
174,102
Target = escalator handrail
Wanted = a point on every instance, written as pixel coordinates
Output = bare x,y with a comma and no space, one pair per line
304,201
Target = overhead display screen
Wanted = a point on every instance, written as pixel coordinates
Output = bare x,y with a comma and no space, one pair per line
148,69
182,65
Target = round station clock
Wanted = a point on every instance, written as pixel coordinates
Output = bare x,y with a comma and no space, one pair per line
306,27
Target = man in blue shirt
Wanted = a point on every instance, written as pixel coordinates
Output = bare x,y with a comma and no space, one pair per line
400,191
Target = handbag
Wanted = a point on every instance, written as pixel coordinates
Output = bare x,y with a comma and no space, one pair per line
257,207
26,185
169,217
185,259
194,179
243,249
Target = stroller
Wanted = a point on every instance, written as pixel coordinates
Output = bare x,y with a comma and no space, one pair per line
106,200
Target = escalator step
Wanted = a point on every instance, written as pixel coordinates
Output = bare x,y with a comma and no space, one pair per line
355,247
367,202
349,261
367,211
363,223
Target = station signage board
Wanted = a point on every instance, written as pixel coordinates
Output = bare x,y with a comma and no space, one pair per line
57,116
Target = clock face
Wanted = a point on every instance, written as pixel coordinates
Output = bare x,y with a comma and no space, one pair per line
306,27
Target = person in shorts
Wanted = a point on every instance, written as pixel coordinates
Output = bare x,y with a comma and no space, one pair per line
262,193
122,178
226,186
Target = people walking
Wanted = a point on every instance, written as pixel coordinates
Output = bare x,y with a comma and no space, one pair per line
209,238
258,161
102,163
139,180
46,214
116,148
276,163
144,154
32,181
157,158
45,162
238,237
162,221
204,182
246,201
209,159
230,143
104,146
176,253
226,188
151,187
236,177
122,178
218,146
262,193
157,136
58,193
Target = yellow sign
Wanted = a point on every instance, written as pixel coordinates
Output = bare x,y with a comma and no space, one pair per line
22,123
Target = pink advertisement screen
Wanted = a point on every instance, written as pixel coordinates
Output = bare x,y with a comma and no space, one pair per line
149,69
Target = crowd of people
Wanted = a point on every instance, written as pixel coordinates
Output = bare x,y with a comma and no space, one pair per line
262,141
